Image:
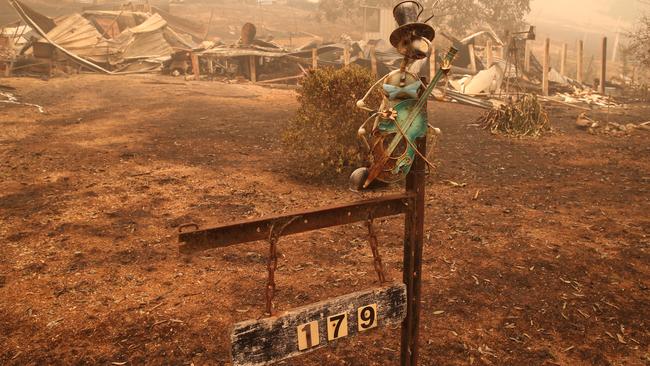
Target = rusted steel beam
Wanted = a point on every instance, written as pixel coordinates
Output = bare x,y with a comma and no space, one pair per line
259,229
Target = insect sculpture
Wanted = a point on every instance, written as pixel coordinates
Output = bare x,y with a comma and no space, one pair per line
401,118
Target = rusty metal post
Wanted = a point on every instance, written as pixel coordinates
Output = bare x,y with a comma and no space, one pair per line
603,70
413,247
418,187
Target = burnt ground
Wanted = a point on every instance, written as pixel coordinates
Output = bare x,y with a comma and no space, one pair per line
539,256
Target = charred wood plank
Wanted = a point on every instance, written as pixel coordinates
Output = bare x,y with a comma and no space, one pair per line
308,328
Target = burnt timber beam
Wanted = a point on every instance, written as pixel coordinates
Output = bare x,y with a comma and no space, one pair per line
300,222
264,341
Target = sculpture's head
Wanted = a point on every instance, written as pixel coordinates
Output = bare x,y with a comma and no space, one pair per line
412,38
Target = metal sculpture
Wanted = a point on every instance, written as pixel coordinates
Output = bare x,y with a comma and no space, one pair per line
401,118
400,121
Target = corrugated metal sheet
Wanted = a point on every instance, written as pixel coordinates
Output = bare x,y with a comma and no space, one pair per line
178,41
123,19
43,22
147,45
77,35
154,23
35,26
151,39
82,40
109,27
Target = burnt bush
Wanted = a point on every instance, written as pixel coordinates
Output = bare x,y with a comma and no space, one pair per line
321,140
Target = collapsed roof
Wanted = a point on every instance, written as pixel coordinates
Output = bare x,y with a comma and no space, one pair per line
152,39
79,36
105,40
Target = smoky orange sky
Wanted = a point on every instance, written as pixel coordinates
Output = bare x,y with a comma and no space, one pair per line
588,17
587,20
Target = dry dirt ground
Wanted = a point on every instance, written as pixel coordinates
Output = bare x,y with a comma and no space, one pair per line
539,257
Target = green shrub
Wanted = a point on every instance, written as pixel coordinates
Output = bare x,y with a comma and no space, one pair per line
321,140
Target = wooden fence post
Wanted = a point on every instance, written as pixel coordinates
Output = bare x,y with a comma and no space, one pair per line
580,60
210,66
563,60
314,58
545,66
196,66
488,53
346,55
603,70
373,61
8,68
253,65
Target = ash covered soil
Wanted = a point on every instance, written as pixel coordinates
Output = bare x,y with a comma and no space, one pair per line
538,255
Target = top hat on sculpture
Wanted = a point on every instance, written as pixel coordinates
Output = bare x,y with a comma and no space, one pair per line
411,31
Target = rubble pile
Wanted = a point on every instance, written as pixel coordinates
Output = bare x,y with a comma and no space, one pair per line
130,40
592,126
101,41
486,73
589,97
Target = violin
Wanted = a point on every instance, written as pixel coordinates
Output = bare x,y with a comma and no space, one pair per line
392,147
